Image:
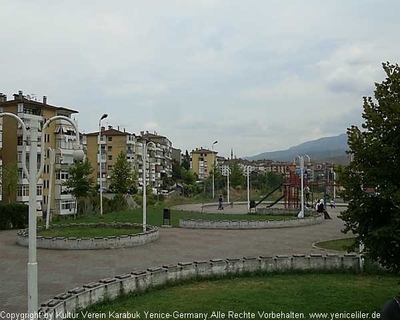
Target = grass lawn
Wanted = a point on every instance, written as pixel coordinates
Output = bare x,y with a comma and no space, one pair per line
300,293
339,245
155,215
88,232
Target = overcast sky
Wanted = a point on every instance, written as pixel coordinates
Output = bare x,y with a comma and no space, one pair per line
255,75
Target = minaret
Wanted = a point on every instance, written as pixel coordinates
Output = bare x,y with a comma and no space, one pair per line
231,153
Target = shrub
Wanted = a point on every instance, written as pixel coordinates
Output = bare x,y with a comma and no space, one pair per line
13,215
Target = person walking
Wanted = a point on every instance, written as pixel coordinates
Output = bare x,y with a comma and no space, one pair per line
220,203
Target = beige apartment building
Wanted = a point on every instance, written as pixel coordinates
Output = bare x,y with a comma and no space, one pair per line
60,136
112,142
201,162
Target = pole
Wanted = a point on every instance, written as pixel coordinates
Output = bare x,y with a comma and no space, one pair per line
227,176
334,185
213,168
52,161
32,263
144,185
302,185
100,172
248,188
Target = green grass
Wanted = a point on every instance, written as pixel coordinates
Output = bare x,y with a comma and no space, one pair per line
346,244
155,217
301,293
88,232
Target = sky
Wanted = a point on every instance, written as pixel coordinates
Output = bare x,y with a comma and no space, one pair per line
254,75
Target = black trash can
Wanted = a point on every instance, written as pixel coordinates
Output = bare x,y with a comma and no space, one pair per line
167,213
252,204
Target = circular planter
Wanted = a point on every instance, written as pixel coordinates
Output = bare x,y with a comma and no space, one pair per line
249,224
73,243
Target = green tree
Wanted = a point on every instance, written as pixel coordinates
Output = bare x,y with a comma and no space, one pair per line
372,180
9,180
80,184
176,170
186,161
237,177
122,177
188,176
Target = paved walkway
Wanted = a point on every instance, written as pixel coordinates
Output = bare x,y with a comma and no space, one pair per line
63,270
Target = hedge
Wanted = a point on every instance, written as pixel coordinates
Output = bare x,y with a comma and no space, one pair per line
13,216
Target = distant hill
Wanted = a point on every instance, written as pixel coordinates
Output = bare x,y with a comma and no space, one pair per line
327,149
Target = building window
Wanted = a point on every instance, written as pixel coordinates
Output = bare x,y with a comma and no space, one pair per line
23,191
39,190
110,157
109,148
109,167
19,141
109,139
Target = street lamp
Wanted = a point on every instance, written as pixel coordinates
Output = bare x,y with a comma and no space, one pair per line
301,159
105,115
248,188
213,175
52,158
228,172
145,144
33,177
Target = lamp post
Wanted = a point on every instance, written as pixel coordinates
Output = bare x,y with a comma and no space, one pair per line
228,172
301,160
33,177
52,158
248,188
105,115
145,144
213,175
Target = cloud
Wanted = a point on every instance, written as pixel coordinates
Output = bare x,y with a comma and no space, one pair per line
256,75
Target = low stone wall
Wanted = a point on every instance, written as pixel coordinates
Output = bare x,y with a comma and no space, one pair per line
81,297
278,211
110,242
249,224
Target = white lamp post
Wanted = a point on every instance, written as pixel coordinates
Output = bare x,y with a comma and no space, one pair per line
145,144
213,175
33,177
52,157
248,188
228,172
301,159
105,115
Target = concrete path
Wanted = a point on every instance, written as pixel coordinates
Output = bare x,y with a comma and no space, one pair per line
63,270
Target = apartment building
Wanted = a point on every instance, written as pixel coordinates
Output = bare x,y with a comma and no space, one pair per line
111,141
59,136
201,162
159,159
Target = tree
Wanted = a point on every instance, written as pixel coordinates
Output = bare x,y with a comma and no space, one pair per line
79,182
186,161
372,180
237,177
122,177
176,170
9,180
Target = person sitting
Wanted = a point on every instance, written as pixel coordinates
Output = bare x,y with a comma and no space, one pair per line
391,309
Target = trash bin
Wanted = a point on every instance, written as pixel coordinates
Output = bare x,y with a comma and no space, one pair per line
167,213
252,204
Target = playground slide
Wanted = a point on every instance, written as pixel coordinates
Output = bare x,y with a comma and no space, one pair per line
278,187
276,201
